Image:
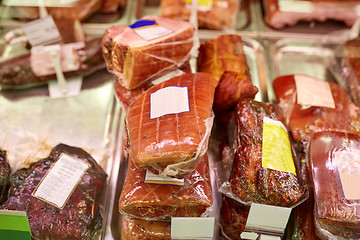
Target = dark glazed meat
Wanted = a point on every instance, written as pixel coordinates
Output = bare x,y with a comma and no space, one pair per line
4,176
79,219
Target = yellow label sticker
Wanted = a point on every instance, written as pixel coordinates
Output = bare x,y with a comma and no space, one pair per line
276,149
202,3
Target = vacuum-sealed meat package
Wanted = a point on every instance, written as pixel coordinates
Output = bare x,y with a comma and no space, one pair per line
310,105
4,176
215,14
160,202
169,124
148,48
280,13
76,59
60,194
263,169
335,168
139,229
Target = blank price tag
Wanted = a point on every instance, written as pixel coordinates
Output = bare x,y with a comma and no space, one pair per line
169,100
192,228
157,179
14,225
42,31
267,218
34,3
73,88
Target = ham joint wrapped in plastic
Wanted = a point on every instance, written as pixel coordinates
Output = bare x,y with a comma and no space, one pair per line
304,120
216,14
146,49
160,201
263,170
335,168
172,144
79,218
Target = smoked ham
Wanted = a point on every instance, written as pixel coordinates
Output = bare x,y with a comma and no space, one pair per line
160,201
220,14
334,165
250,179
139,229
304,121
279,14
171,144
351,63
136,61
4,176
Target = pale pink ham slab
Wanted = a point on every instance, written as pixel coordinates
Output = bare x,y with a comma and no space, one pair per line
174,139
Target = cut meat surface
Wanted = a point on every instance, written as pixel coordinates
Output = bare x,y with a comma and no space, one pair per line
161,202
171,144
334,212
303,122
80,218
137,61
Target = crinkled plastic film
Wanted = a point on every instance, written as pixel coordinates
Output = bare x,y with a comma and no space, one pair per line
172,144
139,229
303,121
160,202
336,216
248,181
281,13
83,206
219,15
136,61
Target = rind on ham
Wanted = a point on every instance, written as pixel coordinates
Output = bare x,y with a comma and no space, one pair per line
137,61
334,214
172,144
161,202
249,181
303,122
220,15
318,10
139,229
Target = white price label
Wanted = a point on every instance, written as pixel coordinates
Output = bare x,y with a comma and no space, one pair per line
42,31
60,181
192,228
169,100
152,32
46,3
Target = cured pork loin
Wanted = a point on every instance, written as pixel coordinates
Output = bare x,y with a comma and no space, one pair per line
80,217
233,217
254,177
4,176
220,14
172,144
334,165
280,13
137,58
25,70
303,121
139,229
160,201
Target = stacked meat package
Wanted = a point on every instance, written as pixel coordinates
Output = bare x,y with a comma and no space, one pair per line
168,124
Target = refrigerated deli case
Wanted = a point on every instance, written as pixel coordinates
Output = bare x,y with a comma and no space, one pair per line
297,58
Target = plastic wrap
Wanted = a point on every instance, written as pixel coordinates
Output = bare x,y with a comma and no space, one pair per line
136,61
303,120
172,144
257,174
4,176
233,217
79,218
139,229
161,201
280,13
334,164
215,14
19,71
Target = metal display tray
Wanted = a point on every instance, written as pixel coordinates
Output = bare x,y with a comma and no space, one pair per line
256,60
